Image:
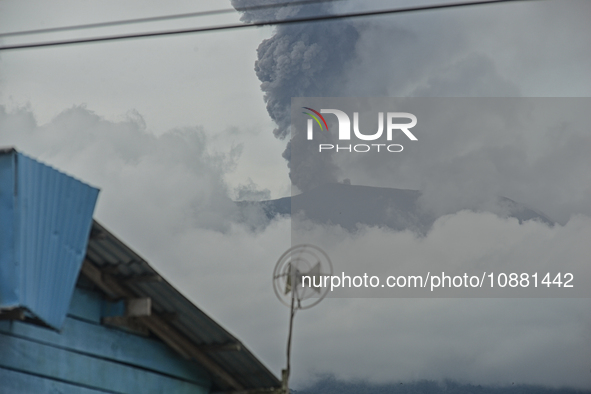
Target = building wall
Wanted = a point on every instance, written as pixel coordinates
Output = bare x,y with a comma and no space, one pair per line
88,357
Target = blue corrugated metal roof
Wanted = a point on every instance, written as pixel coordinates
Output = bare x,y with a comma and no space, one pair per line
46,218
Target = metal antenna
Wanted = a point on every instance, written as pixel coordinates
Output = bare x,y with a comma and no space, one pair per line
299,266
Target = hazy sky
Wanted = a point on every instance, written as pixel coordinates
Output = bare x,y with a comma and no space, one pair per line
172,129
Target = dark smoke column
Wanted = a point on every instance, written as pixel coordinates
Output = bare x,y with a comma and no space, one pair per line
301,60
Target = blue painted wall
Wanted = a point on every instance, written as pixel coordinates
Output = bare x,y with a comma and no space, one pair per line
87,357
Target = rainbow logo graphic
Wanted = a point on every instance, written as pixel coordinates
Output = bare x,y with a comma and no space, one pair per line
316,118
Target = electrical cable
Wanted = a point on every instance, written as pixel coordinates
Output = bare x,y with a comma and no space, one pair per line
255,24
165,17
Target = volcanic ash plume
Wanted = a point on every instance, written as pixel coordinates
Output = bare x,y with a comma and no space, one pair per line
301,60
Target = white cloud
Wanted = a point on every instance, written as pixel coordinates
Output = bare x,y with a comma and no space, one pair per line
482,341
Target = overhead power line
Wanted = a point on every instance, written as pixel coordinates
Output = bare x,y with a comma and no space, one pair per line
165,17
116,23
255,24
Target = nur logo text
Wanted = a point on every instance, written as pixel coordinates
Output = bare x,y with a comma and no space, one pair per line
393,123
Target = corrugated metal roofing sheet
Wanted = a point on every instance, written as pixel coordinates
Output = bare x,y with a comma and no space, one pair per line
46,218
111,256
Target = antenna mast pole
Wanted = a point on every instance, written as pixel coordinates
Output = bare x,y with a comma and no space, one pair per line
285,372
